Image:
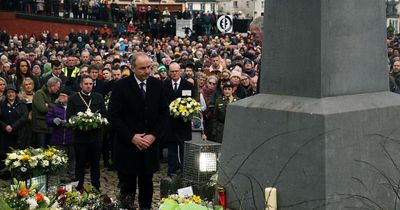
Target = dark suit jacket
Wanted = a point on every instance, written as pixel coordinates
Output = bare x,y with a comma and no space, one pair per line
44,80
75,105
130,114
99,87
178,130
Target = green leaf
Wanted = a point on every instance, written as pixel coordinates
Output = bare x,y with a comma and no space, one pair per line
4,205
192,206
170,205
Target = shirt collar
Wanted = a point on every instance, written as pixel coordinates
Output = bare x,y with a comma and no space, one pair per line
178,82
85,94
138,81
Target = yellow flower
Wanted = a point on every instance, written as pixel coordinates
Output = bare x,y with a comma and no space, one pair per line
24,157
182,109
196,199
48,153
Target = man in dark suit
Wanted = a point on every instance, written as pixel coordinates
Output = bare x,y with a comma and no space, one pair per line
139,112
87,144
56,71
98,85
178,131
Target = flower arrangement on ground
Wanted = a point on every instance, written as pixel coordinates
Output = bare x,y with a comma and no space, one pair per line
88,198
87,120
20,197
174,202
185,108
31,162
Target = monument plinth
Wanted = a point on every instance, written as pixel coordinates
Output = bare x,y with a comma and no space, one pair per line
325,130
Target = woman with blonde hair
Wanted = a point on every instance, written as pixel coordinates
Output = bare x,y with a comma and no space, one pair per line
3,84
27,92
26,96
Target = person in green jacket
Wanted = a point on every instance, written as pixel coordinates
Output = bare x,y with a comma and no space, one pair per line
41,102
221,104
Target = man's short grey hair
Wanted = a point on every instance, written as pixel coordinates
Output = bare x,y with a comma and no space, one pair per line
135,56
53,81
258,22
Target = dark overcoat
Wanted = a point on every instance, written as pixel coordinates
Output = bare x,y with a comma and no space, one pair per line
129,114
178,130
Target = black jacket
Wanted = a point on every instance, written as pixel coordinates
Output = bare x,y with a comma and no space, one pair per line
130,114
75,105
177,129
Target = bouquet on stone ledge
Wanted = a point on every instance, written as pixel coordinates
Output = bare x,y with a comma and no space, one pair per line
20,197
185,108
87,120
31,162
88,198
174,202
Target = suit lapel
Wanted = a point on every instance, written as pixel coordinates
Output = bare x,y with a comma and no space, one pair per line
135,87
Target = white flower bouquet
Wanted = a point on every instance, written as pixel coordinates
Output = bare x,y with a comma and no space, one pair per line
185,108
30,162
87,120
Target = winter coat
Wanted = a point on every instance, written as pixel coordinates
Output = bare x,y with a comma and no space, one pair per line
75,105
219,117
18,123
61,135
42,100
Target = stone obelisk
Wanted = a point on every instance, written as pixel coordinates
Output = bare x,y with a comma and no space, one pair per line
324,130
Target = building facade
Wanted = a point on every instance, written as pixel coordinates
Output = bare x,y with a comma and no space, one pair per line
246,8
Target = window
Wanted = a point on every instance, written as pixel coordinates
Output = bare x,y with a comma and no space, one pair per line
248,4
190,6
213,7
262,4
235,4
203,7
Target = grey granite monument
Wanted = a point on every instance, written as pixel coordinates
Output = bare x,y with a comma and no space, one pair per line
324,130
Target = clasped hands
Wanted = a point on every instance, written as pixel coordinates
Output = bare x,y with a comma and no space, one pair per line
143,141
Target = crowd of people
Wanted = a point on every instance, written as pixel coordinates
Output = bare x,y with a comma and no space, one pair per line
127,18
45,80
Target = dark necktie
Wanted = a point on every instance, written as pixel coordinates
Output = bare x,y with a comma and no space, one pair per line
175,86
142,89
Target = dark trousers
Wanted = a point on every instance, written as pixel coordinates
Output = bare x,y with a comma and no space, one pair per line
107,146
42,139
174,161
87,152
127,184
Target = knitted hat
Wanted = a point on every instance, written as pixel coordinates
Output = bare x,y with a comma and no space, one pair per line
161,68
10,87
236,74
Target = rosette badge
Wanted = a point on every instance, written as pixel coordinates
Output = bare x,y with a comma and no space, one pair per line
185,108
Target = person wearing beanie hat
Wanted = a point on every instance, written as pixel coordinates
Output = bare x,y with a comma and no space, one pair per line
235,73
10,87
221,104
62,135
13,118
238,89
162,71
248,67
